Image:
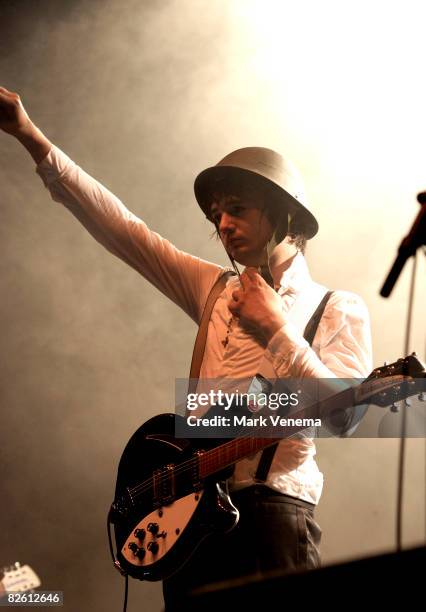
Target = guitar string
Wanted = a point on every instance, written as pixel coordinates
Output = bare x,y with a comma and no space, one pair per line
209,457
212,455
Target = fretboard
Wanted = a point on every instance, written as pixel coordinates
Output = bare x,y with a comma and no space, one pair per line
228,453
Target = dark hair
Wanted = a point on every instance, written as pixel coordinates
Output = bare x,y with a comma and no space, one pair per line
295,236
299,241
268,203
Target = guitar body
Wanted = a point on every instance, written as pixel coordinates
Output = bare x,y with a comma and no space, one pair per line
162,511
171,492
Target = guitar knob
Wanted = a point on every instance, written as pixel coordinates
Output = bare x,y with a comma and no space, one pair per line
153,547
133,547
140,553
394,408
153,528
422,396
139,534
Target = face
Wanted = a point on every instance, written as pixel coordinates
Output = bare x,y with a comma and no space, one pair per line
243,227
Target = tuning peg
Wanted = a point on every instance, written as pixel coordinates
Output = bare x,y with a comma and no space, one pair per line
407,401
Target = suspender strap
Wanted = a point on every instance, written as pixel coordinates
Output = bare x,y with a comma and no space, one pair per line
265,462
200,341
312,326
267,456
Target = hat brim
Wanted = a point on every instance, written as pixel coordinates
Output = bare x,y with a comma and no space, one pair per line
214,179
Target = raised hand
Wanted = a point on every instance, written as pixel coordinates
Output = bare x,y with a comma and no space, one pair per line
14,120
13,116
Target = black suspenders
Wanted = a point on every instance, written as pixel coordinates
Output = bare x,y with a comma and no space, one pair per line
309,335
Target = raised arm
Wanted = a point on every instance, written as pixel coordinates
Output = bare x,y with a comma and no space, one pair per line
185,279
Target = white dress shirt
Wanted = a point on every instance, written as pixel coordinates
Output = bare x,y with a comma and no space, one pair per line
341,347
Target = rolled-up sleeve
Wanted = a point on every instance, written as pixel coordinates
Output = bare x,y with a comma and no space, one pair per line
341,347
341,352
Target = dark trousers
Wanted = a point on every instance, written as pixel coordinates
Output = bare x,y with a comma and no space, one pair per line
274,533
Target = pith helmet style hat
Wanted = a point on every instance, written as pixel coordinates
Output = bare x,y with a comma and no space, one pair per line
264,169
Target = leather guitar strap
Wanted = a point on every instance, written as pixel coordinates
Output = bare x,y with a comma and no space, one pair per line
309,335
200,341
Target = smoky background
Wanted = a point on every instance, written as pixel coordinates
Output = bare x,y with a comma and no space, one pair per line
143,95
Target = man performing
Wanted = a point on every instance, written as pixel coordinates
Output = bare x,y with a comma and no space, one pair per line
255,200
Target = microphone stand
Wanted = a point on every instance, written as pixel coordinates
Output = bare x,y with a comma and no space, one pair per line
408,248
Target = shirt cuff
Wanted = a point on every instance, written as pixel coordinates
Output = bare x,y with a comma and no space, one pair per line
283,348
53,166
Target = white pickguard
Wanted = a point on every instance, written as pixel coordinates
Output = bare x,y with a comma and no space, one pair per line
172,521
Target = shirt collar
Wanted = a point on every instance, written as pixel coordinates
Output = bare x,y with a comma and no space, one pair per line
295,277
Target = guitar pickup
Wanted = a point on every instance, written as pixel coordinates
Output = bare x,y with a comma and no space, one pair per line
196,480
164,485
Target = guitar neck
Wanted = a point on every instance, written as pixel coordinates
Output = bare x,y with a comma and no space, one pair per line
383,387
227,454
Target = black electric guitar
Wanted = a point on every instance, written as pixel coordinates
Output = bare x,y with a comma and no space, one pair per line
171,492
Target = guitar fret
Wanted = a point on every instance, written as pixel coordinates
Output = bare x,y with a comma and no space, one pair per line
218,458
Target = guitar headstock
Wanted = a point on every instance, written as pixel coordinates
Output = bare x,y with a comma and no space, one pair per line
19,578
396,381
